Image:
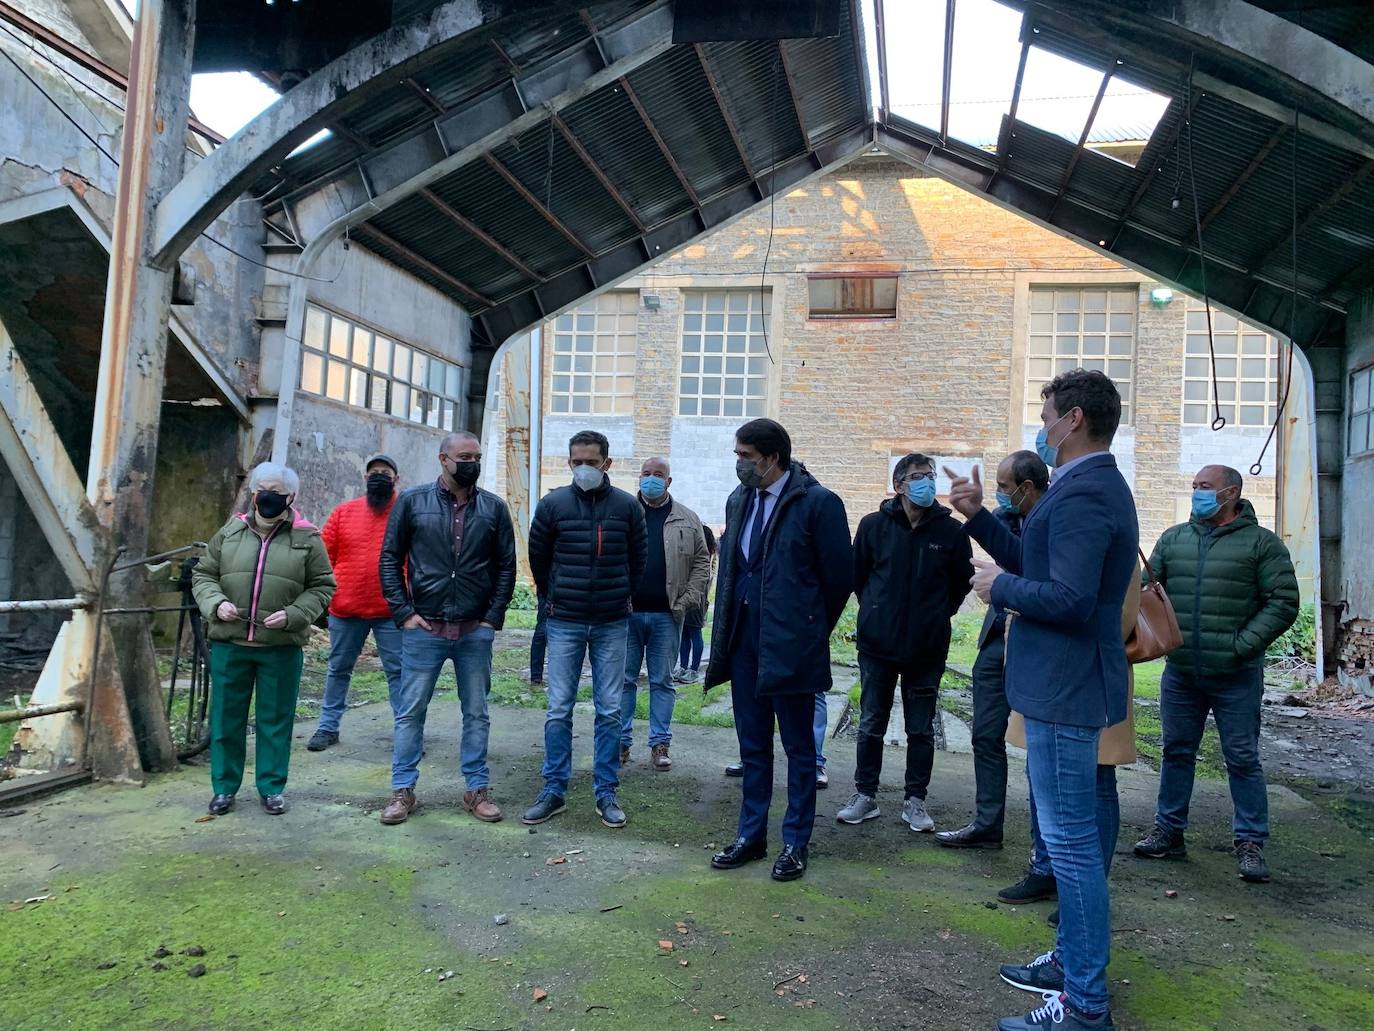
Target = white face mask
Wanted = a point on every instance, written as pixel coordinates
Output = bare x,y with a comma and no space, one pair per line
588,477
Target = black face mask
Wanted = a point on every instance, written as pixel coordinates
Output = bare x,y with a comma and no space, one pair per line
465,474
271,504
380,488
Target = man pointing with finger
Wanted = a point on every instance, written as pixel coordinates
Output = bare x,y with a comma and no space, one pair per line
1063,584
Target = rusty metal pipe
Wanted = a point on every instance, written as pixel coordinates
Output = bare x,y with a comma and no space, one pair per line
45,605
15,715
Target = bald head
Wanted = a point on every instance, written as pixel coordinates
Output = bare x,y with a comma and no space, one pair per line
1227,483
656,466
457,439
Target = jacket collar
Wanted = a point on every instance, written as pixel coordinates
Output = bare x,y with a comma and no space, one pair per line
1245,516
893,508
1089,463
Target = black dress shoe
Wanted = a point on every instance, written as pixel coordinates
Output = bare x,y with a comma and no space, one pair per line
274,804
790,864
739,852
971,836
221,804
735,770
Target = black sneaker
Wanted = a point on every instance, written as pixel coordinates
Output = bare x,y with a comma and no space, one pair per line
322,739
545,807
1250,862
1161,843
1034,887
1042,974
610,812
1056,1015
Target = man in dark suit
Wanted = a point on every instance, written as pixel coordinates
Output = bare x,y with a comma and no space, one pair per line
786,570
1063,583
1022,479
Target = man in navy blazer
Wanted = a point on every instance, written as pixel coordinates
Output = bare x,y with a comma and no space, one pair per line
1063,584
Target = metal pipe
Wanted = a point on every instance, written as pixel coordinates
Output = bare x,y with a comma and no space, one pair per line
15,715
45,605
148,560
536,418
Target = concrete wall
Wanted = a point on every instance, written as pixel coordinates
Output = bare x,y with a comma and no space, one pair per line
1356,641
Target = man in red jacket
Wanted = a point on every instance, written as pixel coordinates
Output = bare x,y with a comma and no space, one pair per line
353,537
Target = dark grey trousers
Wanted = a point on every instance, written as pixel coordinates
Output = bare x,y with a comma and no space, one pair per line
990,713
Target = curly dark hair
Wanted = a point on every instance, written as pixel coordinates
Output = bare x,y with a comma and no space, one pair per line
1091,392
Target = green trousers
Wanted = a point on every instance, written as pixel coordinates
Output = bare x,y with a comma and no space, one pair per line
236,671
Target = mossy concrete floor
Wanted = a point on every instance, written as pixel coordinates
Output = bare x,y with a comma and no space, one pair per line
324,918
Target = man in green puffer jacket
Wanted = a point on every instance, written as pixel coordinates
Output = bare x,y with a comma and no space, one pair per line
1232,585
264,580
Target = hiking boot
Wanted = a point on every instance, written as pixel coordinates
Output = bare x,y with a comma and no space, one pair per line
1250,862
660,759
859,808
1161,843
1034,887
322,739
480,805
624,755
822,778
1042,974
915,816
1058,1015
610,812
400,807
545,807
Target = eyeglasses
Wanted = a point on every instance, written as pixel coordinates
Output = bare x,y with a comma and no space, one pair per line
913,477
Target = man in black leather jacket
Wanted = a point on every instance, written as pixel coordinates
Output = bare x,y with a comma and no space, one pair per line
448,572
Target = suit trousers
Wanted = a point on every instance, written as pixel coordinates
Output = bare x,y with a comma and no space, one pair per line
754,718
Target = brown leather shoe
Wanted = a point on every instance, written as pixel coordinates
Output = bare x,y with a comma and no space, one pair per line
480,805
400,807
624,755
661,761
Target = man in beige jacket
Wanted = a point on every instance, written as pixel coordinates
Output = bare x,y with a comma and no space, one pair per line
675,579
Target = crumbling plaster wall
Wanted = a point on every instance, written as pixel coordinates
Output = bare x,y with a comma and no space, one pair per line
1356,644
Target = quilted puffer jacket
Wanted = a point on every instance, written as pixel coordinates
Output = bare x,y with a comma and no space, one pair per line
353,537
1232,587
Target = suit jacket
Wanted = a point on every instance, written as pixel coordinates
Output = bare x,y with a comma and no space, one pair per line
995,620
1065,582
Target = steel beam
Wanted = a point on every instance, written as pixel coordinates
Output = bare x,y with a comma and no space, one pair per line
597,171
364,231
1157,153
792,93
1261,156
1313,213
48,481
947,69
663,148
724,110
880,34
528,196
468,226
1004,148
133,349
1082,140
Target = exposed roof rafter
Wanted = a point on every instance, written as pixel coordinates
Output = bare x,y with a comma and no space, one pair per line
510,177
724,110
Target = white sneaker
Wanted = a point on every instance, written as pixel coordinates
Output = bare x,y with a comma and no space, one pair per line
859,808
914,815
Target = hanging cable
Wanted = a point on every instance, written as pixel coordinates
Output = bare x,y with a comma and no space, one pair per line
764,315
1219,421
1258,467
114,161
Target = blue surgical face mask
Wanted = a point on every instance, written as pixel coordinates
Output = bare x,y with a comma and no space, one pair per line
1005,504
1205,504
653,487
1049,453
921,492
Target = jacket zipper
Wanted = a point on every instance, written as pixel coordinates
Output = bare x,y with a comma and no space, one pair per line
1204,549
257,582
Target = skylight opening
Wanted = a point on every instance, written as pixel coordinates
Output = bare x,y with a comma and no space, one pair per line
987,49
915,37
1126,118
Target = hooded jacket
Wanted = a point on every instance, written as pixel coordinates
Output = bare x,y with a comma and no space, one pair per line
587,552
288,569
910,582
353,537
1232,587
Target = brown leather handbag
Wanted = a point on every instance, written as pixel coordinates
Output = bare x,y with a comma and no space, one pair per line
1156,631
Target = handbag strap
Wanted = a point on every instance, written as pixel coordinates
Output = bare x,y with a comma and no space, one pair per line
1146,563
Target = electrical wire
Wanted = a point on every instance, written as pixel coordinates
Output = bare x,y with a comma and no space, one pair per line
114,161
1219,422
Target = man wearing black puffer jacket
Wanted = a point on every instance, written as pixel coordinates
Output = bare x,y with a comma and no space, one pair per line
588,549
448,572
912,565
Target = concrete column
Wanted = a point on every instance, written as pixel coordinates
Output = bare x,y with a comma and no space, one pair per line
1328,403
134,343
519,416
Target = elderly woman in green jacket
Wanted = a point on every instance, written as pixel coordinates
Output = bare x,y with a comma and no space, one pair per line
264,580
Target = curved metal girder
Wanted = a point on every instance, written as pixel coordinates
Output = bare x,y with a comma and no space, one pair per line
345,84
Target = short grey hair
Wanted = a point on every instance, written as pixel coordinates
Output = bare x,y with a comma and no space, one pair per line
276,472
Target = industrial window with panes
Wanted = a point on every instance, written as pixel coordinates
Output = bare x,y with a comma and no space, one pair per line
1247,379
594,356
724,367
348,362
1361,412
1081,327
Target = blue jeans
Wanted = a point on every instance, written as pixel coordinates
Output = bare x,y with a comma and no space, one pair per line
819,723
346,637
692,645
1062,761
1234,701
423,657
651,638
569,643
1108,817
